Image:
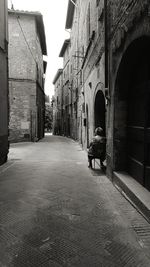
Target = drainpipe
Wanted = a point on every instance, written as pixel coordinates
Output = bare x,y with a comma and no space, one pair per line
73,3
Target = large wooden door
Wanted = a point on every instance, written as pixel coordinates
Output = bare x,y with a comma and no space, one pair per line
138,133
87,125
132,112
147,139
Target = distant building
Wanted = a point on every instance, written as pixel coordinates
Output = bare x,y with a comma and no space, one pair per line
58,103
48,115
3,82
27,45
66,90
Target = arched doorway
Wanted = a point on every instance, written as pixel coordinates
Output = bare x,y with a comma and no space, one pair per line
87,125
132,112
99,110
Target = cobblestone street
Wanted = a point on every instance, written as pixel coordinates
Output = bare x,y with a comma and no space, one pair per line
54,211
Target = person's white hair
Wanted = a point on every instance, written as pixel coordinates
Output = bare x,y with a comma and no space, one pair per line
99,131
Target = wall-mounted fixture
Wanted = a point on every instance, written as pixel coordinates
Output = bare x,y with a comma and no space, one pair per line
107,95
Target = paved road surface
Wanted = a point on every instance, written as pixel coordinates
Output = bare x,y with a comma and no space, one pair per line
54,211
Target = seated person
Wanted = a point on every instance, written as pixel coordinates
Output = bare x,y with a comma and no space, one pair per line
97,148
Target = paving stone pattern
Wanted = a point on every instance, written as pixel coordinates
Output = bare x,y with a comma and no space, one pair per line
55,212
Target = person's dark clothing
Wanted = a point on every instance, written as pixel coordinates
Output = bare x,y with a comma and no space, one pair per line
97,149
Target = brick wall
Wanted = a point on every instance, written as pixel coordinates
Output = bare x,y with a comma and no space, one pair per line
21,63
25,78
21,110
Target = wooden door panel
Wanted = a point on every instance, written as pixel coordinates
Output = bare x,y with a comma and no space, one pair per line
148,158
147,141
148,135
136,102
135,143
136,151
135,133
136,170
147,177
147,154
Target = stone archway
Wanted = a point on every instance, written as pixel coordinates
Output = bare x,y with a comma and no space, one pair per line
99,110
132,112
87,125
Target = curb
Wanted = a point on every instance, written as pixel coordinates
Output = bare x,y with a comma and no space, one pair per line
138,196
6,166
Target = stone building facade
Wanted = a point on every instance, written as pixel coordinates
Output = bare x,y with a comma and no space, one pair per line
128,140
66,90
85,20
27,45
110,72
4,110
58,120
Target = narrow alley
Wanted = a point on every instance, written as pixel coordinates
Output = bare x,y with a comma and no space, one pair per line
54,211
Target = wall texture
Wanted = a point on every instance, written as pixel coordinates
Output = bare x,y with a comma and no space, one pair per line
25,78
87,44
3,83
21,113
58,102
127,22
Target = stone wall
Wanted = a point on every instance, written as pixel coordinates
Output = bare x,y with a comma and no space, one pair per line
40,102
22,109
21,62
25,78
4,115
3,83
58,120
127,21
93,64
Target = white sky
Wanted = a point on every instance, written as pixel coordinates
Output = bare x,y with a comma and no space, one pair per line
54,14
